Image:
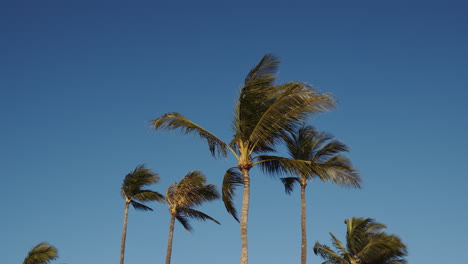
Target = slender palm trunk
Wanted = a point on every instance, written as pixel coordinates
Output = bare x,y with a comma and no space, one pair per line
244,217
169,242
124,232
303,225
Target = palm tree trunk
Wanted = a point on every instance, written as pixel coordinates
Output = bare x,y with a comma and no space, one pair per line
124,232
244,217
303,225
169,242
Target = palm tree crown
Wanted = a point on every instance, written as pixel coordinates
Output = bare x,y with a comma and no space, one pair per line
181,197
134,194
43,253
366,243
321,155
191,191
264,111
132,188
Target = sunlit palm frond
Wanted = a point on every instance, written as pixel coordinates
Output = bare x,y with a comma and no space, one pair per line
288,108
148,195
383,247
192,191
327,253
173,121
338,245
289,183
232,179
254,96
337,172
41,254
275,165
140,206
195,214
193,178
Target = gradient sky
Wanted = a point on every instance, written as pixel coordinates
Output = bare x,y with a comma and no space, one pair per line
80,80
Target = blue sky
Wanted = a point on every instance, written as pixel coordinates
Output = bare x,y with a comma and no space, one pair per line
80,81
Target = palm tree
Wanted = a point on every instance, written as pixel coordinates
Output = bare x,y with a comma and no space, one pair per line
181,197
43,253
133,194
365,244
323,154
264,111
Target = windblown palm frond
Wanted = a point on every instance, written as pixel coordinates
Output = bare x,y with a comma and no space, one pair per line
366,244
173,121
289,183
232,179
42,253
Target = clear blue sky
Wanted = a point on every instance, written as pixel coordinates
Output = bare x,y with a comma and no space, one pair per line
80,81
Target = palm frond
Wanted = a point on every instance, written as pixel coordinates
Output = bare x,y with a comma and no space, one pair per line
173,121
193,178
254,96
289,183
328,254
184,221
232,179
41,254
140,206
148,195
332,148
275,165
338,245
300,143
289,106
338,170
195,214
383,246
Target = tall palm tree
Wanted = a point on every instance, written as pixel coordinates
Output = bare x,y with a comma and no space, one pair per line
366,243
264,111
43,253
181,197
133,194
323,155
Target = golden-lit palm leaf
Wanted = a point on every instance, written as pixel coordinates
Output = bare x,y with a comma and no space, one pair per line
254,96
173,121
41,254
288,108
148,195
383,248
359,231
327,253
